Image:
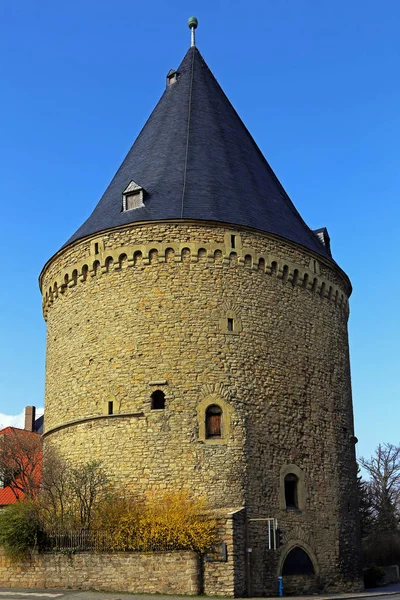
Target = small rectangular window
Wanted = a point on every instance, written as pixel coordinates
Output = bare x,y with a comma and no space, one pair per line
233,241
230,324
110,407
96,248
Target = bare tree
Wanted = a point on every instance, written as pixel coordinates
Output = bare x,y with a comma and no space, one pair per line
20,462
67,494
56,495
89,483
70,493
384,485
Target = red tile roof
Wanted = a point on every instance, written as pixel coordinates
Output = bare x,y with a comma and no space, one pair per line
7,496
9,429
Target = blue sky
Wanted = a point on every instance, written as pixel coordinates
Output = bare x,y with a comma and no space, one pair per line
317,84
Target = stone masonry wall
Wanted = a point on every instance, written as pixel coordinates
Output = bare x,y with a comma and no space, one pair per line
161,573
227,578
146,307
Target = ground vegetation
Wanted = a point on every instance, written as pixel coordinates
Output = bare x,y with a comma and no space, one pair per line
78,509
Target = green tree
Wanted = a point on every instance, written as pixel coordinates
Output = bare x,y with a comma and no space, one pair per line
20,529
365,506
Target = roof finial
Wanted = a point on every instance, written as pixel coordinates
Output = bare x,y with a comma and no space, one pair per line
193,22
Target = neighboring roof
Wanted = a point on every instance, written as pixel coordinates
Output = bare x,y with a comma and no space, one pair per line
10,429
7,496
39,424
195,159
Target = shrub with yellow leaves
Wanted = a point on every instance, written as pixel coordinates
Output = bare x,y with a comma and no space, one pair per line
171,521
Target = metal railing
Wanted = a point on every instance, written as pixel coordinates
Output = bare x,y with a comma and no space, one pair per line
71,542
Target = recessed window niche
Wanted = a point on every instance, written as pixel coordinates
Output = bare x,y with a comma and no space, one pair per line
96,247
233,241
230,323
214,420
292,490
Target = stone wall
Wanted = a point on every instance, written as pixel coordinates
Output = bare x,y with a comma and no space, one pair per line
227,578
145,308
391,574
300,584
161,573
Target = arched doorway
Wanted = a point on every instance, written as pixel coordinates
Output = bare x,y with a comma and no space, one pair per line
297,562
299,572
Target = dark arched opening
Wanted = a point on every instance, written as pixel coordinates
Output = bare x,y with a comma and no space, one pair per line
157,400
298,562
213,421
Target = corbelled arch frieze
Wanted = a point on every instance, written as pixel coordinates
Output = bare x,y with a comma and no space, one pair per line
100,261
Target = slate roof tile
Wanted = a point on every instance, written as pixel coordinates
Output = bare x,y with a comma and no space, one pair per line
195,159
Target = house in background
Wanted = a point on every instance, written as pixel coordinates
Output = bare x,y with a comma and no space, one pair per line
20,458
31,422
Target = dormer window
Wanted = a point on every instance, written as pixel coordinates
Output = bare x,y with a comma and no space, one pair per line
132,197
323,237
171,77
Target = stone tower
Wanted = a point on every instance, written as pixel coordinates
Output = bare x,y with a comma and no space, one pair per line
197,338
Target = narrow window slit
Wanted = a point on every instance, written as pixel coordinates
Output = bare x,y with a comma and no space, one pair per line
111,407
230,324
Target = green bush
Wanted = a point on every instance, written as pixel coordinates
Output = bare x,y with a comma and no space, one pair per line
382,548
20,530
373,576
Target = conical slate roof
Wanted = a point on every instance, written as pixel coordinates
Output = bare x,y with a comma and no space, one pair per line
195,159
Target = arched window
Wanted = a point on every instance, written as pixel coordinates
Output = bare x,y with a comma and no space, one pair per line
213,422
298,562
157,400
291,491
85,271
